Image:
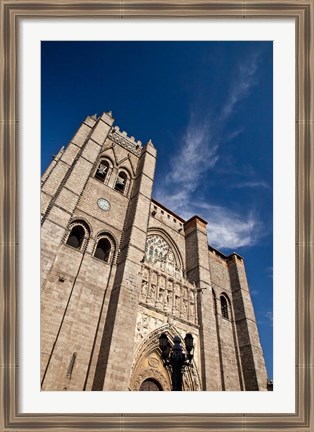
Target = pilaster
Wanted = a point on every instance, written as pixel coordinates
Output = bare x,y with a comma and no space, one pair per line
197,267
252,359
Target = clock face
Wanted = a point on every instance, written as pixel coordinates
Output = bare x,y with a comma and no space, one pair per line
103,204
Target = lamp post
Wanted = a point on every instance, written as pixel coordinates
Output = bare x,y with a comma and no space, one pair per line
175,359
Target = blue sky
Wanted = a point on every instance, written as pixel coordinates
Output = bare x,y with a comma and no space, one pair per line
207,107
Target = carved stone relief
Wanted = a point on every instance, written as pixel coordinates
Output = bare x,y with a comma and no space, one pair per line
144,289
192,306
145,324
161,289
153,362
170,296
163,285
177,298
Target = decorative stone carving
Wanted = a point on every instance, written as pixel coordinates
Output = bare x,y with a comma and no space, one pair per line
145,273
150,373
169,295
153,362
161,289
184,310
123,140
192,306
163,285
144,289
145,324
156,249
196,380
177,298
153,288
159,253
168,304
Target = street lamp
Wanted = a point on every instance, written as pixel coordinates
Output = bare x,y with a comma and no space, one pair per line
175,359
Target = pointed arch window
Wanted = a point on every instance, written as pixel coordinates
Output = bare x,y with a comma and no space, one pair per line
102,170
121,182
224,307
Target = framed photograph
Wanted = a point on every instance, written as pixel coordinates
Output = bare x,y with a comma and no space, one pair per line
127,266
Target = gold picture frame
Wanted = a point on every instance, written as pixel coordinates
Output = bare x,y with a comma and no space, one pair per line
302,11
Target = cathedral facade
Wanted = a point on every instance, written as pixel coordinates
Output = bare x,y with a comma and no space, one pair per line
118,269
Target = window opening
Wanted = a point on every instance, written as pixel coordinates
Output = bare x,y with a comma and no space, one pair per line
157,249
76,237
103,249
121,182
224,307
102,171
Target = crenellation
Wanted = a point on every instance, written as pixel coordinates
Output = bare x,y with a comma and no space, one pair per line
125,141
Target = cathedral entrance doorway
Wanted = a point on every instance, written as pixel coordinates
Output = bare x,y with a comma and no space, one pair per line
150,385
148,372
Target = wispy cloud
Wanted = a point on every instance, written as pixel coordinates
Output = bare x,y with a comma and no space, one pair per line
250,184
245,79
198,154
226,229
232,135
267,319
230,230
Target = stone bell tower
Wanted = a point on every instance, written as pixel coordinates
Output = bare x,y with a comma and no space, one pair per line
95,204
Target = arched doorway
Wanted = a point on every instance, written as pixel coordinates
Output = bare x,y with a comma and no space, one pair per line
150,385
148,364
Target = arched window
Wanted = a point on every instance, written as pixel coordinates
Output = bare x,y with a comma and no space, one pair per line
224,307
103,249
156,248
76,237
102,170
121,182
